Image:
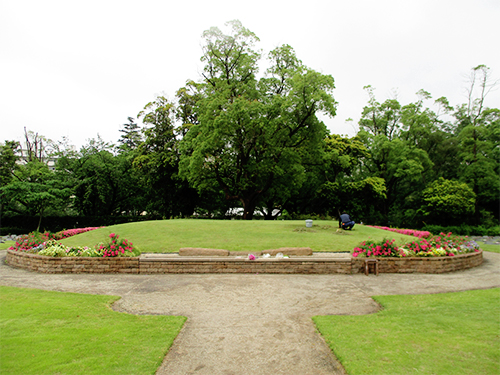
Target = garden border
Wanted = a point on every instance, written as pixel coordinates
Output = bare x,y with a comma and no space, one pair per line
173,263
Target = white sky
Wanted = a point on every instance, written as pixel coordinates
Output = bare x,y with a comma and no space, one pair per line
78,68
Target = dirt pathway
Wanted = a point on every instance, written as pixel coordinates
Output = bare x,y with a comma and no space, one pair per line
252,324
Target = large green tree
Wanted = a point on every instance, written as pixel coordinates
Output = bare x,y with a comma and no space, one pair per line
156,162
478,130
447,202
8,159
395,137
35,190
344,188
254,135
102,183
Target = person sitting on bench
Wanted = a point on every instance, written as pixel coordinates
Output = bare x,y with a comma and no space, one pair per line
347,223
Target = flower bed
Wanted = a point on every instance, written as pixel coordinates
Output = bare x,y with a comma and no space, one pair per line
45,244
438,254
170,263
33,242
409,232
432,246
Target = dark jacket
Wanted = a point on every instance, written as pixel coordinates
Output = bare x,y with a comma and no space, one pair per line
345,218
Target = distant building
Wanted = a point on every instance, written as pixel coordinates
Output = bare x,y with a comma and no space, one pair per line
23,155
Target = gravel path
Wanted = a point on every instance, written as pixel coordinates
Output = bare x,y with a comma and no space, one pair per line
253,324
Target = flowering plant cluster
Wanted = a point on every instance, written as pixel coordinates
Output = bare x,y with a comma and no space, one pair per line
33,242
55,249
71,232
46,244
116,247
384,248
435,246
410,232
30,243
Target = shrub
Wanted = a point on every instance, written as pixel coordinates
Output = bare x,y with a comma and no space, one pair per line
116,247
55,249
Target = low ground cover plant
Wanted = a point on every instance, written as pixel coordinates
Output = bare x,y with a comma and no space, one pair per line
450,333
409,232
433,246
45,332
465,230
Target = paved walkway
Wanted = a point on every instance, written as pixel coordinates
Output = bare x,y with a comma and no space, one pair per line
253,324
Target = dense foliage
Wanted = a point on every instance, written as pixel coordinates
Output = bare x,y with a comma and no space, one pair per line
239,143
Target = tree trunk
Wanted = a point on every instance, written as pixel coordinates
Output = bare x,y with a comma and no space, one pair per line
248,208
39,221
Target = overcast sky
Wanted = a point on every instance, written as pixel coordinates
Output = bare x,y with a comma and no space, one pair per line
79,68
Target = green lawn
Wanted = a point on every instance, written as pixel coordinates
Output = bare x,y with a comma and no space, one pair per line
6,245
234,235
452,333
491,248
65,333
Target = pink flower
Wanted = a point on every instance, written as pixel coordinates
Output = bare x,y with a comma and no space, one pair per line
251,257
111,235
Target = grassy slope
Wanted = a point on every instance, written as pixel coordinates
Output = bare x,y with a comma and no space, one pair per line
452,333
52,332
170,235
6,245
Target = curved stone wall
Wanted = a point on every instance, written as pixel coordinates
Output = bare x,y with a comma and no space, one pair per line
294,265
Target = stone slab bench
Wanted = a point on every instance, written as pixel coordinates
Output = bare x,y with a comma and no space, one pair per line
204,252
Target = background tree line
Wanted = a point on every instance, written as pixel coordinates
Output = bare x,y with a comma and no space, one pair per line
238,139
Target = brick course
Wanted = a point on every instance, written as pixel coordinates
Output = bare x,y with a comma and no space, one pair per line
294,265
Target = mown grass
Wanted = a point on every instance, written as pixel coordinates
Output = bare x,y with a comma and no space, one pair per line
235,235
5,245
452,333
65,333
491,248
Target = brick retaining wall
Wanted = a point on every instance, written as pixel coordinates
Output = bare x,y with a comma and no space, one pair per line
232,265
422,265
294,265
46,264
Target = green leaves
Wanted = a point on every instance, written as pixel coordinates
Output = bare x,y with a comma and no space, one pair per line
446,198
254,136
35,189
